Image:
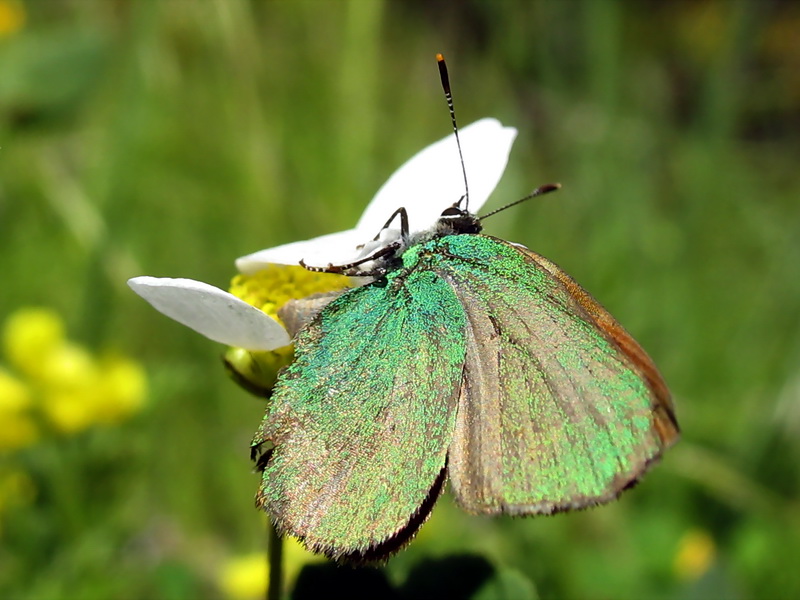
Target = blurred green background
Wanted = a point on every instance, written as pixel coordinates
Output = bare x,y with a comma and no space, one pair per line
167,138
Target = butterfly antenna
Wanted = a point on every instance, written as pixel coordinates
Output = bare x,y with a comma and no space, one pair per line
449,96
550,187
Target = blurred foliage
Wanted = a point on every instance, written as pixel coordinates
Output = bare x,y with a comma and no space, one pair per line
167,138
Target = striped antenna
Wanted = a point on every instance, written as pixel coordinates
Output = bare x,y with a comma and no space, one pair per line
550,187
449,96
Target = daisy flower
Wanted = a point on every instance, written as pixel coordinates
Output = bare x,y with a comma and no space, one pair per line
246,317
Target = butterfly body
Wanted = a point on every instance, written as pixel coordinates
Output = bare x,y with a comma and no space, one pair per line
473,359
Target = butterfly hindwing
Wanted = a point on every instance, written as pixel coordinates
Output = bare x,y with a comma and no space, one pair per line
558,409
362,419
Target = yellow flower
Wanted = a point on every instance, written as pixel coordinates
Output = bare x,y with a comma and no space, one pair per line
122,390
73,390
29,335
295,557
17,428
14,395
69,380
696,553
12,17
79,392
68,367
69,411
245,577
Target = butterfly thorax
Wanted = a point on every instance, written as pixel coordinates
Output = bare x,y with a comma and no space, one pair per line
389,257
453,222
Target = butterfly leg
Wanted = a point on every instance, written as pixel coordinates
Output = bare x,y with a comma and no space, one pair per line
350,268
403,214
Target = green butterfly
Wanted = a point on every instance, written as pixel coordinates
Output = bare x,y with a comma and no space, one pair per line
472,359
468,358
465,357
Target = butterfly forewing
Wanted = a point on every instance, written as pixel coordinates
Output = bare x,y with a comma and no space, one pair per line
555,413
362,419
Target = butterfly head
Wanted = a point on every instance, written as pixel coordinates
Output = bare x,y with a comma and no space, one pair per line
456,220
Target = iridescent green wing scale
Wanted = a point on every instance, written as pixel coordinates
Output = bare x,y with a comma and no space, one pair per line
560,408
362,419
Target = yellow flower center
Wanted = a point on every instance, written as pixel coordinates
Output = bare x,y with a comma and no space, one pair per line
268,290
273,286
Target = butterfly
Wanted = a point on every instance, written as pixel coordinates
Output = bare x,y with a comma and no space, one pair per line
466,358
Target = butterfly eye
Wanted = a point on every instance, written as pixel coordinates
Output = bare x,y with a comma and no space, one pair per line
456,210
453,211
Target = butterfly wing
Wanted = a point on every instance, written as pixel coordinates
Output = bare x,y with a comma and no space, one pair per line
560,408
362,419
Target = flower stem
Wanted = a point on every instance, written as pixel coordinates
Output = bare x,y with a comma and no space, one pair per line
275,558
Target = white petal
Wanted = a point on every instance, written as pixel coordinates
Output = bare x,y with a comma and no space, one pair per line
213,312
340,248
427,184
335,248
432,180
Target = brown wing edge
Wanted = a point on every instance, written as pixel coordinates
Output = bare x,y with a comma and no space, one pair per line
382,551
664,420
